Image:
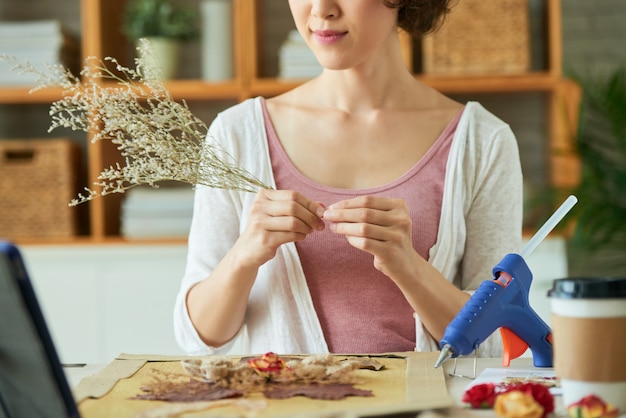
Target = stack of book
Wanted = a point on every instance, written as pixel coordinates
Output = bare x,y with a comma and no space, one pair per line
296,60
157,213
38,43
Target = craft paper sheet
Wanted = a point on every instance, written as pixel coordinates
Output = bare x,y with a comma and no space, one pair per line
408,382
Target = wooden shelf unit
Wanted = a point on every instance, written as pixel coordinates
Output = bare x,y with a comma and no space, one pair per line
100,22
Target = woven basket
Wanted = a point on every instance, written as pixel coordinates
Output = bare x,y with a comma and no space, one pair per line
480,37
38,179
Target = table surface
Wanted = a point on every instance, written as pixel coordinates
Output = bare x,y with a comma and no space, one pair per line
456,385
465,367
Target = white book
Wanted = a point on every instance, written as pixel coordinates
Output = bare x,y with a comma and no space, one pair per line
22,38
148,202
31,28
292,73
159,194
299,63
156,228
25,80
36,57
131,214
35,43
295,50
294,36
299,60
11,76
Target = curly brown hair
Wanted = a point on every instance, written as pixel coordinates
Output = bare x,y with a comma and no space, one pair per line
420,17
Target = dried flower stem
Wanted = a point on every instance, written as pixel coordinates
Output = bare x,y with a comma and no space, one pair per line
160,139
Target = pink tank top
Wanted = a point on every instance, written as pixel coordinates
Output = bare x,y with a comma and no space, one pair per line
360,309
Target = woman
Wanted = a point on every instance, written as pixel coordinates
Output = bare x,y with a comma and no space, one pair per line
392,202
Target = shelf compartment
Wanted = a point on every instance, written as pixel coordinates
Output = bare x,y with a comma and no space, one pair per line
23,95
531,82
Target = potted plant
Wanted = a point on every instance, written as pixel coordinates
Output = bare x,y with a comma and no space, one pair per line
597,245
165,23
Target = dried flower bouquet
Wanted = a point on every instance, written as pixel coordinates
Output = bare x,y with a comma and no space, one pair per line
159,138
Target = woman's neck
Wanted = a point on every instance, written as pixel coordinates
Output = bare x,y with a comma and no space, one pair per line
380,82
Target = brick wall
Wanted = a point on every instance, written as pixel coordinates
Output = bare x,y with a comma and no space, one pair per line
594,35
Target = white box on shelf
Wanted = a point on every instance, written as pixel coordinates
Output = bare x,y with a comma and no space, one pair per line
217,39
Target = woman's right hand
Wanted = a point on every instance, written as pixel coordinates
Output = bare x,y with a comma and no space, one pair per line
277,217
217,305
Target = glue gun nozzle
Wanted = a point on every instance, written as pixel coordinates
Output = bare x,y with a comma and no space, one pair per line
446,353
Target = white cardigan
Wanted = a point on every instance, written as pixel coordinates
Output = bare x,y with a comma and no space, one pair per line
481,218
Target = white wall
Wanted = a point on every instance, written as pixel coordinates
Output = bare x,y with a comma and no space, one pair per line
548,262
103,300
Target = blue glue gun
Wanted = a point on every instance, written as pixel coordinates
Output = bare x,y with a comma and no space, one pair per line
500,303
503,303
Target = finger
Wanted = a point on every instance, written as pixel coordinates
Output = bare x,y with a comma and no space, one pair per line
362,230
374,210
309,211
279,237
271,232
285,203
289,224
366,201
357,215
312,206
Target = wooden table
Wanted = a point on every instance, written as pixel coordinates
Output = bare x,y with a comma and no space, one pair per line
456,385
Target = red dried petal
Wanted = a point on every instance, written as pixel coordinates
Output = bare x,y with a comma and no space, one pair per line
480,396
267,364
593,406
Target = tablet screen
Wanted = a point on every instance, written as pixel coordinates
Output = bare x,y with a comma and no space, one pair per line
32,382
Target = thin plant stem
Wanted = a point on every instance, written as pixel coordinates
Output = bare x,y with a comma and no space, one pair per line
159,139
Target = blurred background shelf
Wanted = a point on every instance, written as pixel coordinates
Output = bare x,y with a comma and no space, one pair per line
539,103
23,95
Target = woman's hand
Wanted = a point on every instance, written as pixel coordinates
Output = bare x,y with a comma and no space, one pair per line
380,226
217,305
277,217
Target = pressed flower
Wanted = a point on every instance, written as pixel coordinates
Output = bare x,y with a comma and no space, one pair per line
592,406
480,396
517,404
539,392
486,395
268,365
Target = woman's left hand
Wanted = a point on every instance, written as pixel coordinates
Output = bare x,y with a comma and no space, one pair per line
382,227
378,225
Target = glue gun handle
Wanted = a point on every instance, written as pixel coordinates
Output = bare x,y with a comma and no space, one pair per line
521,327
513,345
527,330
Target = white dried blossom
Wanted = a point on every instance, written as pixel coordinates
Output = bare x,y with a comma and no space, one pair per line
159,138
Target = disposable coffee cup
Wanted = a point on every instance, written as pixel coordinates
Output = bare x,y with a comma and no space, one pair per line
589,338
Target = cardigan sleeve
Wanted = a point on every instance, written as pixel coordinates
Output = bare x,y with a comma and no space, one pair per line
481,216
280,315
215,226
494,219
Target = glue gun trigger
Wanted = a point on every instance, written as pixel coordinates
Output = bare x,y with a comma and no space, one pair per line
514,346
